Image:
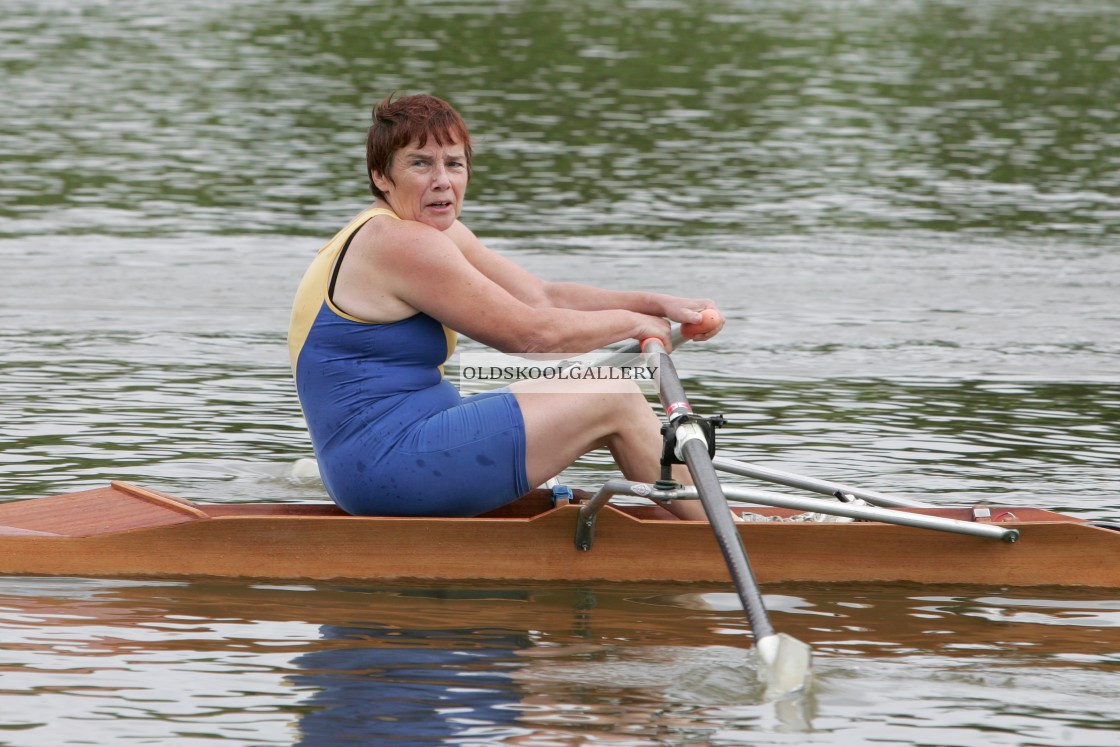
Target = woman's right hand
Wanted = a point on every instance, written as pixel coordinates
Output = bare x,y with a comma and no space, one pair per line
653,326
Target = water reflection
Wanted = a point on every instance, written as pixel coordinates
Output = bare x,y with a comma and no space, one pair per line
317,665
416,687
346,665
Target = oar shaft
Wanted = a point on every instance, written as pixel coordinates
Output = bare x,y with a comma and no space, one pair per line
786,661
695,454
730,543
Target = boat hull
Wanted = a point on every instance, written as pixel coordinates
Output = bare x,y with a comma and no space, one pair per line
133,532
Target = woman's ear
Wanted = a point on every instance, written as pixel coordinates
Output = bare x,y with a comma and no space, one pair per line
381,181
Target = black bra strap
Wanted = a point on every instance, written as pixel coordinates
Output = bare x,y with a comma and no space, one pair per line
337,266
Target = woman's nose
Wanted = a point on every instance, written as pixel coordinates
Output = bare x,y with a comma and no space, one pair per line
441,177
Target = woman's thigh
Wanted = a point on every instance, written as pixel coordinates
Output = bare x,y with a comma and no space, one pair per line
563,425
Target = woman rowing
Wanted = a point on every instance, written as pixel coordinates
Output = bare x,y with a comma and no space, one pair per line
375,318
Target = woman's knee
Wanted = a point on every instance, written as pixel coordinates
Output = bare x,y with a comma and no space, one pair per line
629,397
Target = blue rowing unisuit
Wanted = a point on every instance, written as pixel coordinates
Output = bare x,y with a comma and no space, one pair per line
393,437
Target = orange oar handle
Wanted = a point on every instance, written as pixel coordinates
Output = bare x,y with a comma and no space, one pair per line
709,320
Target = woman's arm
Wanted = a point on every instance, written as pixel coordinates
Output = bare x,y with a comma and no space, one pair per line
423,269
674,308
577,296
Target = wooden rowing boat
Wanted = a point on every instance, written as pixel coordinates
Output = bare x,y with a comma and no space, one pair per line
128,531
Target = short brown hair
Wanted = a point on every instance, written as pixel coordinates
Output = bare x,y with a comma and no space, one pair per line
411,118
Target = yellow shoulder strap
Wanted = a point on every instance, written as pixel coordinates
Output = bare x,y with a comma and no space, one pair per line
313,287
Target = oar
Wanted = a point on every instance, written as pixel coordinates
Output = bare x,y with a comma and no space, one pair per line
785,661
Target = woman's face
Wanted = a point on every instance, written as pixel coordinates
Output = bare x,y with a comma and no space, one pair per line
427,183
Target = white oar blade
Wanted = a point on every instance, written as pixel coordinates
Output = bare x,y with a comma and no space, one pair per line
786,664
